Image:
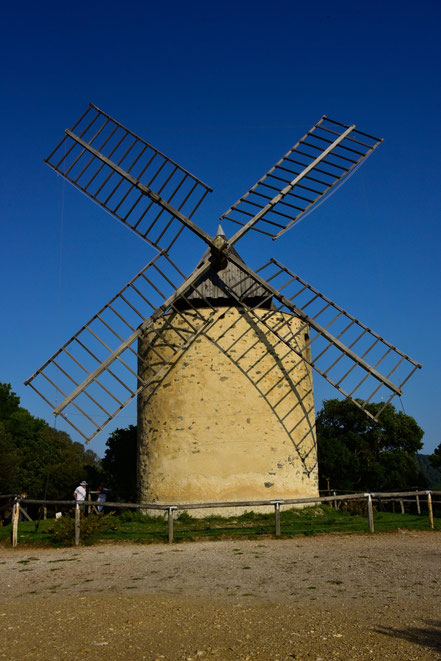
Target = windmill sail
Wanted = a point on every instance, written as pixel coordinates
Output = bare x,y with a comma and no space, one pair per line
323,158
354,359
100,369
131,179
95,374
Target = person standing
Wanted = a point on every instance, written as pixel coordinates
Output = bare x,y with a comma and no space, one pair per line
102,497
80,492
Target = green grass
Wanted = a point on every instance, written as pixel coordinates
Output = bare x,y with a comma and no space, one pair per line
135,527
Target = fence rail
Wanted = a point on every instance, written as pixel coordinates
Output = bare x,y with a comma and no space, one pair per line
170,509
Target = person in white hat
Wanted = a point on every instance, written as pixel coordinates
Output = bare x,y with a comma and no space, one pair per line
80,492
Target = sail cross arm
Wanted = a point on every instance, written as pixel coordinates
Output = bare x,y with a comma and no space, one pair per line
320,161
350,356
155,197
277,198
132,180
95,373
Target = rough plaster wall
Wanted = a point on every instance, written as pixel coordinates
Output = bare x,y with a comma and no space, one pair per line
208,434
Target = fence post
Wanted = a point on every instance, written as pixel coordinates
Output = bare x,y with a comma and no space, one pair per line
430,508
334,493
77,524
370,512
402,506
277,504
170,523
418,504
15,517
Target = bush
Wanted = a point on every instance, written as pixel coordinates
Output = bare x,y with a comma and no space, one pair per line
355,507
249,516
63,530
185,517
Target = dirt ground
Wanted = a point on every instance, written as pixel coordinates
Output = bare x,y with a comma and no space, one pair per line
339,597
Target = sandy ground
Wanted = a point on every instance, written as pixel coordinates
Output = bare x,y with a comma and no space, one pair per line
344,597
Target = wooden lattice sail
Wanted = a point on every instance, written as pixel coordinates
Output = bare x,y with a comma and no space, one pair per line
262,332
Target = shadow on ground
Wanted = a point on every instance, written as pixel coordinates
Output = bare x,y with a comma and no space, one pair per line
427,636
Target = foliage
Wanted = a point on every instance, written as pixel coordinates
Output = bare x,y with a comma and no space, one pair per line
36,458
10,459
92,527
429,473
435,458
354,507
185,517
356,453
248,516
119,464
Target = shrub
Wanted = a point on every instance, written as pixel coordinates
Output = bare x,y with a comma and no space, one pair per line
310,533
63,530
185,517
355,507
248,516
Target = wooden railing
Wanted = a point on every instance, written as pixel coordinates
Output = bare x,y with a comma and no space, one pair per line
335,500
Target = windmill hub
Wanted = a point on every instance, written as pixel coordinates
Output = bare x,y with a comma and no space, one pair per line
220,242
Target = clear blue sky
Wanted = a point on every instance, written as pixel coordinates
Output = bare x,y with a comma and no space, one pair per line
225,89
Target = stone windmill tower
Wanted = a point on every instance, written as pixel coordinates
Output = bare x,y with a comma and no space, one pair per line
234,418
221,360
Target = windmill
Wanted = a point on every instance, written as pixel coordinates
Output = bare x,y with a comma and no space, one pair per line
226,346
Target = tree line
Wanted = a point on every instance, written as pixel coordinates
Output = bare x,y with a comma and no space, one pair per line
354,452
45,463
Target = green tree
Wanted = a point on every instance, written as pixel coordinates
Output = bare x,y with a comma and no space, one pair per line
70,464
119,464
356,453
10,459
36,458
435,458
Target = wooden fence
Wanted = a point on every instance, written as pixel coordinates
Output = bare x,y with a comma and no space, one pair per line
335,500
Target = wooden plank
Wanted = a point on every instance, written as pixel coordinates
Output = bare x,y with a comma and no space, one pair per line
319,329
23,511
370,513
418,504
142,188
15,517
170,524
132,338
242,503
397,494
430,508
289,188
77,524
277,516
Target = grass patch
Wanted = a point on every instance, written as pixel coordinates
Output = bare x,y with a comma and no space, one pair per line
136,527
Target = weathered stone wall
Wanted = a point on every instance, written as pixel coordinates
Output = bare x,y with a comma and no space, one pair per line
233,419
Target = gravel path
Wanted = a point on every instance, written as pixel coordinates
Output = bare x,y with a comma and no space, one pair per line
345,597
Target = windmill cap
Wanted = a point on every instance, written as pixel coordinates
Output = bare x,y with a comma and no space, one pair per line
220,231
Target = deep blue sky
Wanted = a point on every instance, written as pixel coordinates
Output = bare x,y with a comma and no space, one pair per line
225,89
